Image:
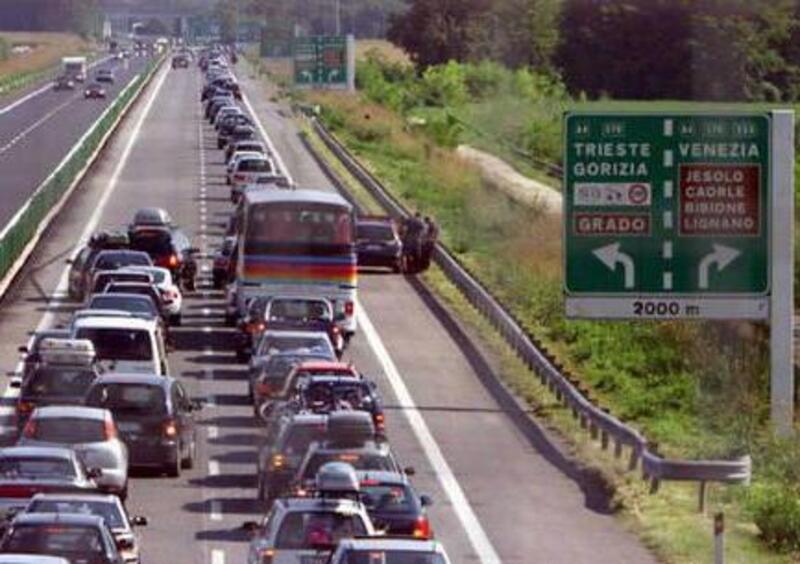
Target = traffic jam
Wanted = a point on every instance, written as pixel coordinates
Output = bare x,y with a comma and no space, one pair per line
98,402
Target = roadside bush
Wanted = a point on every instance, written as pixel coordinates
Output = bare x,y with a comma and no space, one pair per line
485,79
444,86
775,510
5,49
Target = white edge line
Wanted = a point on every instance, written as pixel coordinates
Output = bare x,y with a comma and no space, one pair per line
42,90
213,468
469,520
47,317
267,139
217,557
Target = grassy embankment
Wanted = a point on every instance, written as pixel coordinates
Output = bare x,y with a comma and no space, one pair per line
698,389
19,70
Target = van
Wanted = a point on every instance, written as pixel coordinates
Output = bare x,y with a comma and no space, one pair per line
122,344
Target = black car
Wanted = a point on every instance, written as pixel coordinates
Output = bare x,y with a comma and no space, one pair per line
378,243
217,103
75,537
94,91
155,418
241,133
83,261
180,62
53,385
169,248
228,125
222,261
137,288
105,75
393,504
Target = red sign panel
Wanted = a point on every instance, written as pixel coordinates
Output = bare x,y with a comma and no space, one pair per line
720,199
598,224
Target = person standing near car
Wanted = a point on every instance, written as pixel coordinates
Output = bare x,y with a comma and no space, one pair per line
413,232
431,235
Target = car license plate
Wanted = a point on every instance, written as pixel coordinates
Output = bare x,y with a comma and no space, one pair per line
128,427
374,247
321,559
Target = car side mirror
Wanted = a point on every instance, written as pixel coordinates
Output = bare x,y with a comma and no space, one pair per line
69,261
409,470
22,349
425,500
251,527
139,521
94,473
124,544
16,384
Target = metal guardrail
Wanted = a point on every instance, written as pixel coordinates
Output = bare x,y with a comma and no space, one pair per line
598,422
26,223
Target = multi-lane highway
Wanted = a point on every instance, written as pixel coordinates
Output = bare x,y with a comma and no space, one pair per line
501,494
37,131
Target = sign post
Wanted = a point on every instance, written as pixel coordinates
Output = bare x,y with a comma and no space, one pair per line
683,216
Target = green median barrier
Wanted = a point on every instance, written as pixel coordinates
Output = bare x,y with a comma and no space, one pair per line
17,236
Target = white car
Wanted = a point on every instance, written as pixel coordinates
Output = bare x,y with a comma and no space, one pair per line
171,297
248,171
392,549
234,162
125,344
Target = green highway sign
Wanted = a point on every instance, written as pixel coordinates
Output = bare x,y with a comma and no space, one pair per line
321,61
667,216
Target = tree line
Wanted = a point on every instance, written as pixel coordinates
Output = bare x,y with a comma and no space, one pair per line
681,49
79,16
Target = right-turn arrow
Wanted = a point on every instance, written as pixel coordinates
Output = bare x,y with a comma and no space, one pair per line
722,256
610,255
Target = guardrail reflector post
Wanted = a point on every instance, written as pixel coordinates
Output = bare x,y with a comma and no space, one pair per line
719,538
702,496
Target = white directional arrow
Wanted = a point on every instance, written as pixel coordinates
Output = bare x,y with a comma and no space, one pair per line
722,257
611,256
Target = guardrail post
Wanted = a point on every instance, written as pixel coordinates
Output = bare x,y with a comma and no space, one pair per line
633,462
702,497
719,538
593,430
617,449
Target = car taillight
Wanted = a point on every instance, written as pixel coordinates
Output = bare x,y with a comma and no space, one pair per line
380,422
254,327
278,461
422,528
349,308
30,429
267,555
173,260
24,407
170,429
263,389
239,177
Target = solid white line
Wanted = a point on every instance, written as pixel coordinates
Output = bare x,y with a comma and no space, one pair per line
213,468
61,287
213,432
217,557
469,521
216,510
41,121
267,139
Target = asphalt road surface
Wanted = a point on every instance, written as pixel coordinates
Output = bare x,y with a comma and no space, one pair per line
37,133
501,492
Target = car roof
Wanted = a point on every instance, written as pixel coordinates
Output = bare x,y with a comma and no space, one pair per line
138,297
14,558
116,323
35,451
121,252
53,518
74,411
391,543
151,216
135,378
383,476
316,504
295,334
107,498
326,365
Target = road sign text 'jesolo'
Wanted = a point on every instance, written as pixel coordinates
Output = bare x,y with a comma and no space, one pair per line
667,216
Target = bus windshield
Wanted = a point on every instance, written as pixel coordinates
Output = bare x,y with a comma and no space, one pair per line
306,225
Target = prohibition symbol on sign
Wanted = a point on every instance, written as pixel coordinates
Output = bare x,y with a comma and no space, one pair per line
637,194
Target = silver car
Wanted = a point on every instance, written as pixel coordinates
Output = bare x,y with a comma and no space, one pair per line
91,432
109,507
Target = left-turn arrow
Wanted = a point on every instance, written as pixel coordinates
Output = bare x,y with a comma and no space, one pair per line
611,256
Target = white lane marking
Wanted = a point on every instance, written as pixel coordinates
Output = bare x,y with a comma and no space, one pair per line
267,139
216,510
61,286
213,432
469,521
217,557
46,117
213,468
41,90
206,311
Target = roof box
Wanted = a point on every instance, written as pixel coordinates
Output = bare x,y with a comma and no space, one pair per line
350,427
72,352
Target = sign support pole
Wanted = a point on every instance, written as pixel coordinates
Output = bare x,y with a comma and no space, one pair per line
782,303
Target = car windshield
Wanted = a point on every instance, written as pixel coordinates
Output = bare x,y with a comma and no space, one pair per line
112,261
152,241
380,556
358,460
255,165
298,310
57,539
128,398
309,529
133,305
68,430
141,289
118,344
273,344
109,511
32,467
104,280
387,498
59,381
371,232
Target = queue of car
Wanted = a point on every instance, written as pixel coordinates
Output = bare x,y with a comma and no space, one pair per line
326,474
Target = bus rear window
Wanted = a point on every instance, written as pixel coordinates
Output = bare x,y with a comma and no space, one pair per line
306,225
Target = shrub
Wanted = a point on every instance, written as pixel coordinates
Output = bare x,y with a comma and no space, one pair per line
775,509
485,79
5,49
444,85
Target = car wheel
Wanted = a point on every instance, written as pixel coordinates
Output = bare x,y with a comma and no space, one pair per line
176,320
173,467
241,356
220,145
188,462
262,491
123,495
